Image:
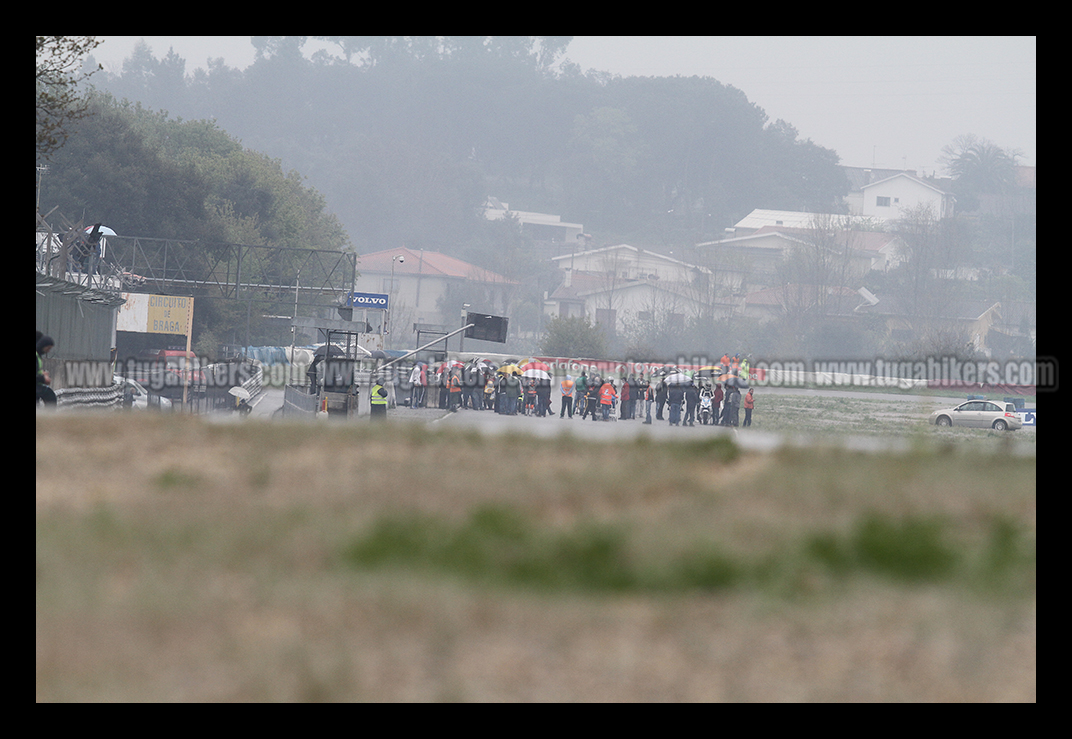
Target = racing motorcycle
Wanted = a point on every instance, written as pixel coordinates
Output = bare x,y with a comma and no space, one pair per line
705,409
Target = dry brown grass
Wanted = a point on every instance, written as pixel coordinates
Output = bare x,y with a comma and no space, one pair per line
179,560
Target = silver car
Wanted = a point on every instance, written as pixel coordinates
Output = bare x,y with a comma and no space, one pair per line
138,397
984,414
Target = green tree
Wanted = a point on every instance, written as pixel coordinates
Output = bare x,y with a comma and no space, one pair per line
59,72
145,174
405,135
979,167
573,337
603,164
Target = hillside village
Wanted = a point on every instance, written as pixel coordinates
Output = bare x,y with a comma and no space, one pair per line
748,272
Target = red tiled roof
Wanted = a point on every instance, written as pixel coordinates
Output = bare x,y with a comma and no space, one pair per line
426,263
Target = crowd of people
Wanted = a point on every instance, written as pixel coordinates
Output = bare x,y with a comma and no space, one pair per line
714,395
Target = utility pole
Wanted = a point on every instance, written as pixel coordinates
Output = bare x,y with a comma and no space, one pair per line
461,339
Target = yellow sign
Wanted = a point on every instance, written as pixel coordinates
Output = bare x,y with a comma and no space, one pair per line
168,315
155,314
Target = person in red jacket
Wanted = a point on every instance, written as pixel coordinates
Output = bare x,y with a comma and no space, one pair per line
607,394
749,404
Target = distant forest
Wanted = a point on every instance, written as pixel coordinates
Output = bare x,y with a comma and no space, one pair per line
406,137
399,141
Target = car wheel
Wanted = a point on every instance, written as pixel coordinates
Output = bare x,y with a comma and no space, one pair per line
1000,425
944,421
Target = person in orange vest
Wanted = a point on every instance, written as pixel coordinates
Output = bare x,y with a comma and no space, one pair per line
749,404
735,364
566,386
725,362
454,385
607,394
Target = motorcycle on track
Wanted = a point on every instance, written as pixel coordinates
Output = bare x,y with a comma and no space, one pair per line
705,410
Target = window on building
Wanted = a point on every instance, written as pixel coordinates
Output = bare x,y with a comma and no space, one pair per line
882,202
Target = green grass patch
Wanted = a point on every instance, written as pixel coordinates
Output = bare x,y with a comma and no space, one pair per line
913,549
500,545
176,479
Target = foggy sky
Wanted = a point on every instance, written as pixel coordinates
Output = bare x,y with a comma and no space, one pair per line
882,101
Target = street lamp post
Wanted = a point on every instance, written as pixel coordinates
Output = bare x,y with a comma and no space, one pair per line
461,338
400,259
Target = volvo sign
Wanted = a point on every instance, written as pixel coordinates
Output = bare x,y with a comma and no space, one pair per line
367,300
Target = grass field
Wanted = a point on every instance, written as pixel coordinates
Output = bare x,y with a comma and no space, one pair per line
182,560
878,416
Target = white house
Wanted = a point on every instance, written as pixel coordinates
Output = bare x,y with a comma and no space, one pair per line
428,287
753,259
617,284
884,251
627,263
886,199
540,226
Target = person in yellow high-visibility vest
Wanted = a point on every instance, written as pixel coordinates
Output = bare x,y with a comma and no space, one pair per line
378,399
566,386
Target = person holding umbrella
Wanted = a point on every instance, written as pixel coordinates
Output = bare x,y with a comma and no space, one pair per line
675,394
692,400
513,393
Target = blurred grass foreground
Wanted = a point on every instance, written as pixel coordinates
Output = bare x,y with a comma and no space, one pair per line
179,560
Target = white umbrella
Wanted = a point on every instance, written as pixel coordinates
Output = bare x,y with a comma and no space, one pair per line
102,244
240,392
678,378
